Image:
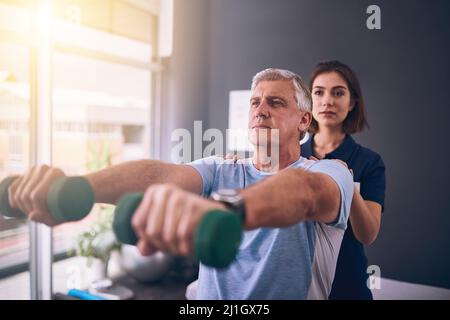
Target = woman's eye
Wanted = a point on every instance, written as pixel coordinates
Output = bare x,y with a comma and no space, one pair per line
339,93
318,93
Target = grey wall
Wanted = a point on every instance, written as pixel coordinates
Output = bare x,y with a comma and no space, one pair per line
404,71
186,85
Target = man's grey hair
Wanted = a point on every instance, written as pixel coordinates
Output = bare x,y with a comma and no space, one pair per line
302,93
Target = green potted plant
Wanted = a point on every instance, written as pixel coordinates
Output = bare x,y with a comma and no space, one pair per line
98,241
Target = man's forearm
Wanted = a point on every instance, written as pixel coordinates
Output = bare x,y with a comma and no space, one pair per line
133,176
289,197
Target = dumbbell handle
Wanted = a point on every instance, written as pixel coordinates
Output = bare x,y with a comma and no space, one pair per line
216,238
68,199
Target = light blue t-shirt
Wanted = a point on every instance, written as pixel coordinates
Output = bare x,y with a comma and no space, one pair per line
296,262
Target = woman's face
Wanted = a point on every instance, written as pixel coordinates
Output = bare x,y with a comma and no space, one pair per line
331,100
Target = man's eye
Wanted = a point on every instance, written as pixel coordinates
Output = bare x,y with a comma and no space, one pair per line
254,104
276,103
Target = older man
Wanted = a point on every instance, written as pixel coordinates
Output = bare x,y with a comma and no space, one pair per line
295,209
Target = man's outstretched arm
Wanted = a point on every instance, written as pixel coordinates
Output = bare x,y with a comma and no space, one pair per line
167,217
292,196
29,192
136,176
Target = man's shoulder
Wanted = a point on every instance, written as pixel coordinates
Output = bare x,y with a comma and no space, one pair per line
212,160
304,163
334,168
310,164
219,163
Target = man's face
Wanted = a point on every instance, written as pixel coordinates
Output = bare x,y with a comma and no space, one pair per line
273,106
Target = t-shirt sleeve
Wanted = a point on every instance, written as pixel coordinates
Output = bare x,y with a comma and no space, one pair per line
373,183
341,175
206,167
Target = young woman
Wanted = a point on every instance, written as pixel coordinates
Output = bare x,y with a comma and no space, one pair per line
338,112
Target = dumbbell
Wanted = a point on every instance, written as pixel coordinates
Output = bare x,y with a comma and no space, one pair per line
68,199
216,239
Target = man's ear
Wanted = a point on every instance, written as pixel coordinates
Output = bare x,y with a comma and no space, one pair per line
305,121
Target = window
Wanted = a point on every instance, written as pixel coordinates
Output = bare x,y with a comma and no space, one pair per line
14,147
101,114
101,67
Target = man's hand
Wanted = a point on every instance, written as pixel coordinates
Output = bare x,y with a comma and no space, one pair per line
167,218
29,193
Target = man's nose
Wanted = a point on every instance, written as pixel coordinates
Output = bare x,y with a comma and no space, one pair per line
262,111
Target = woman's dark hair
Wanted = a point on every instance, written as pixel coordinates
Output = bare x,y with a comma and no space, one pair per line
356,119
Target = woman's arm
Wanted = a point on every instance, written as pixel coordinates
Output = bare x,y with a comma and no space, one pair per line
365,217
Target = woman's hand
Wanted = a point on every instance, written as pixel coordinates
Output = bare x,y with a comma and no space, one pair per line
230,156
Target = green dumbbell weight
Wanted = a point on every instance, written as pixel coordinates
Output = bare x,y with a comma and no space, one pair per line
5,208
216,239
68,199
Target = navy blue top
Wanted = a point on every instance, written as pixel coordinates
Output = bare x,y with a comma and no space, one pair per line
350,281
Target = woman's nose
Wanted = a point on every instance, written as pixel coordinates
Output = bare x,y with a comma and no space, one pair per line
327,100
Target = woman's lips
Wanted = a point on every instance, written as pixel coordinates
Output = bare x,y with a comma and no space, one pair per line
327,113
